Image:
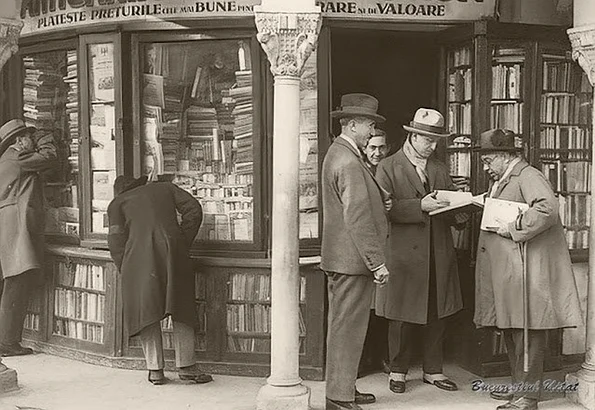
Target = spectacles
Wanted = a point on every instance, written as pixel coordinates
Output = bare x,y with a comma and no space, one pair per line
488,161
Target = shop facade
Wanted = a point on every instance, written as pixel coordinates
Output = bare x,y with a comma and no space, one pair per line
182,90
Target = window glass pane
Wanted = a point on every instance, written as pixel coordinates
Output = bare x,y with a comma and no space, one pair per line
197,125
308,193
50,103
102,126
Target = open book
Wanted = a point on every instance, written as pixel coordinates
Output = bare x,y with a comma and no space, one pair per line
500,210
459,202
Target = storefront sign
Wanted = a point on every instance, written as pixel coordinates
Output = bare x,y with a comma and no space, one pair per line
40,16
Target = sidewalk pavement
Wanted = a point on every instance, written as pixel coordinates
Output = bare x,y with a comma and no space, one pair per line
55,383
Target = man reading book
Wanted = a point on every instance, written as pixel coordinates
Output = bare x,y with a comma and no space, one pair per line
551,292
423,287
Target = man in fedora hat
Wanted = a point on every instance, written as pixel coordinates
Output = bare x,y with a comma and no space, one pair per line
22,158
150,250
423,287
553,301
353,244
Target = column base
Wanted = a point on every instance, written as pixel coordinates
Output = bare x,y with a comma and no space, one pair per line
585,393
8,379
283,398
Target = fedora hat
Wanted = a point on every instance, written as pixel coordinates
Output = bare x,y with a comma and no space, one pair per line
429,122
11,130
358,105
125,183
497,139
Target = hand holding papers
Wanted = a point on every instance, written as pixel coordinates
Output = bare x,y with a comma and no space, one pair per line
498,212
457,201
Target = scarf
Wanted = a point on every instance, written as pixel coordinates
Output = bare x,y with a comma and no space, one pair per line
417,160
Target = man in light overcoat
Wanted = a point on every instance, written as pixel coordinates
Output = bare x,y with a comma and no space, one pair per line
552,293
22,217
423,287
353,247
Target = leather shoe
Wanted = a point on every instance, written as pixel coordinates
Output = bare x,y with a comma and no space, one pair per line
341,405
364,398
501,395
14,350
521,403
156,377
444,384
191,373
396,386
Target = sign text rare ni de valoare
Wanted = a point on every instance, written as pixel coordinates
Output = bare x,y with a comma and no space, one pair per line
40,16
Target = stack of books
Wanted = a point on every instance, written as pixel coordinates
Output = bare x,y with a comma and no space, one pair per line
41,92
242,131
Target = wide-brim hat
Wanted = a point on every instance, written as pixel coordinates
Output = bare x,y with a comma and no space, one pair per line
498,140
428,122
358,105
11,130
125,183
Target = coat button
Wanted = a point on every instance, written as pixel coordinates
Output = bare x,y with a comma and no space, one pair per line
483,249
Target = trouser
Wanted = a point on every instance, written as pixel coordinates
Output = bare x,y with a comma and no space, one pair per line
375,347
152,342
15,293
528,383
349,300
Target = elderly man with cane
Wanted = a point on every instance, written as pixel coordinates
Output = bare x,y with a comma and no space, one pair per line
524,280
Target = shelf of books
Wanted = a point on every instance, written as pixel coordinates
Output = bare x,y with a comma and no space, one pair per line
35,324
102,131
167,325
83,301
249,310
198,130
50,103
565,142
459,118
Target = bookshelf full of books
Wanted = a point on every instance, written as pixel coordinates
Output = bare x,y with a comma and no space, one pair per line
197,129
249,313
459,120
565,141
50,103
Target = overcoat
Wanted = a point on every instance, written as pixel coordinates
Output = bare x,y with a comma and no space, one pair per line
553,296
21,206
355,227
150,249
405,296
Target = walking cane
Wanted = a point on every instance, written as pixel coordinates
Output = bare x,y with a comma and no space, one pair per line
523,250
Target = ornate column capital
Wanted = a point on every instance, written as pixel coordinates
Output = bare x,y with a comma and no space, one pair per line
288,39
583,48
9,38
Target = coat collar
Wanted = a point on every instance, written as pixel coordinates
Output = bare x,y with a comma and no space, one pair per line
516,171
411,173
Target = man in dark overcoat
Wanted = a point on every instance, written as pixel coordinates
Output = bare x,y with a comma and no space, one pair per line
423,287
551,294
353,244
21,225
151,250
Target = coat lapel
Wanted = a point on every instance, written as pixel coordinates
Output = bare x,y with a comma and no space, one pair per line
516,170
432,170
411,173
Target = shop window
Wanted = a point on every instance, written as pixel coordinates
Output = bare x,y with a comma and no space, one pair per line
308,175
198,129
50,103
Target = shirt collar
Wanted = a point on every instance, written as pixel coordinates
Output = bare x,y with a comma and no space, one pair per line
352,143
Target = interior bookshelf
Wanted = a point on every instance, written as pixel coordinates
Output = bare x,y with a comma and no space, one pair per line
248,313
197,117
459,118
565,141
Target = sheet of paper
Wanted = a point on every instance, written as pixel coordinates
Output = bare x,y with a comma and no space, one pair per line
498,211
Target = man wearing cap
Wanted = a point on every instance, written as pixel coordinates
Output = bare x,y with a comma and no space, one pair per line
354,237
423,287
551,288
22,158
150,250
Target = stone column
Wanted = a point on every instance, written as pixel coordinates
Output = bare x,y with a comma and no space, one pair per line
10,28
288,38
583,51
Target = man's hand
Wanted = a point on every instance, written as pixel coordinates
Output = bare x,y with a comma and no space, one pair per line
503,229
388,204
381,276
429,203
